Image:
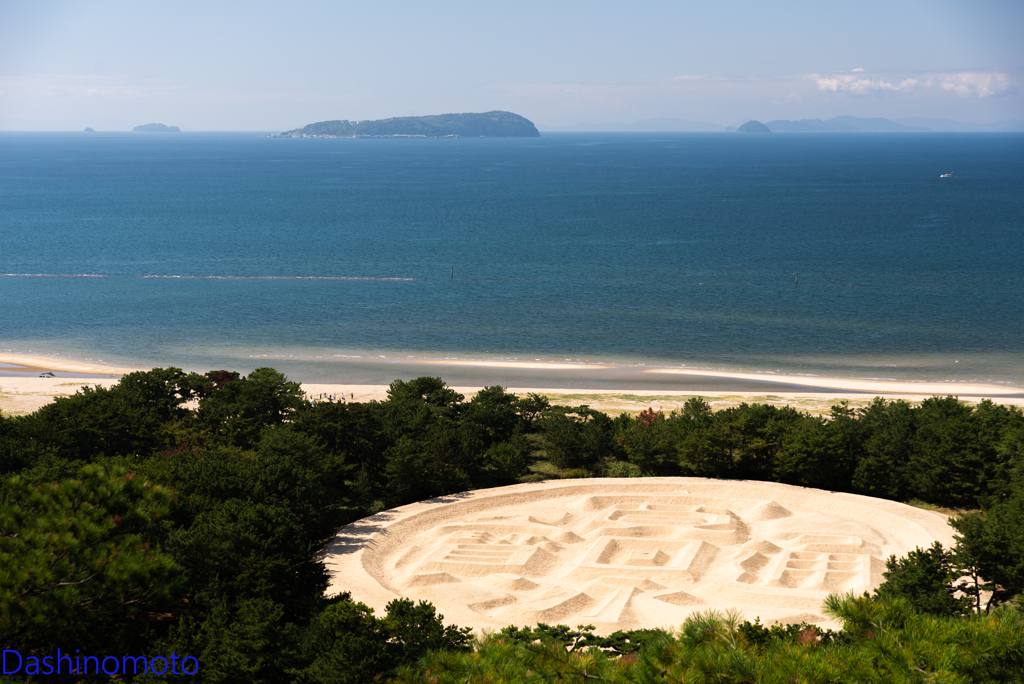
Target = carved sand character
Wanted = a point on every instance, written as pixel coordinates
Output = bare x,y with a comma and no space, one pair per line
628,554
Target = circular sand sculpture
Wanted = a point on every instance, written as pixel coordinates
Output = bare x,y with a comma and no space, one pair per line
627,553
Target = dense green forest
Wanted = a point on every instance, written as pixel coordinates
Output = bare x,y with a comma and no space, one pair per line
494,124
179,513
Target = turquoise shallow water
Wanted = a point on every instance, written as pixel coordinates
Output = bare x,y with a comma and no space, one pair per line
323,256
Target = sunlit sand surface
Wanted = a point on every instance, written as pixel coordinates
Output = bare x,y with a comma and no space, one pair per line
22,391
857,385
627,553
37,364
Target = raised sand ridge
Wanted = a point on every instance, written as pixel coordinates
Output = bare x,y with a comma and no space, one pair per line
627,553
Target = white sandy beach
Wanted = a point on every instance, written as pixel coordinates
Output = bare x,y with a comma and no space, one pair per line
26,392
532,365
40,364
881,387
619,554
20,394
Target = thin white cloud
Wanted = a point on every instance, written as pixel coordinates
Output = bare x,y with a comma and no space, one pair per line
848,83
975,83
713,97
964,84
62,85
91,88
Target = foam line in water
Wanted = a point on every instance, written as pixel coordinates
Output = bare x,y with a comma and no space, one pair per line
218,277
50,275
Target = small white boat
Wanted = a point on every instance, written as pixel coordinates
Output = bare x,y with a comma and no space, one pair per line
946,175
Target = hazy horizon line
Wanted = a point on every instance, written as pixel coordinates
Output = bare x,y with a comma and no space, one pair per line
554,128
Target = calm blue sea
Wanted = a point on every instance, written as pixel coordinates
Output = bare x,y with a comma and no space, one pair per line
316,256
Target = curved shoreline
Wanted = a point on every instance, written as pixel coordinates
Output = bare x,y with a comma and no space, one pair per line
22,391
700,380
30,363
860,385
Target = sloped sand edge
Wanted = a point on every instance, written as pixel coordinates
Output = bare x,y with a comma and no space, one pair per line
626,553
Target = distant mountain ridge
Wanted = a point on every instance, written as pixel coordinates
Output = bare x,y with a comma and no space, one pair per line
496,124
842,124
839,124
659,125
854,124
156,128
950,126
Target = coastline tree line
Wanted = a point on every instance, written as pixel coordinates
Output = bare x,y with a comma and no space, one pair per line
179,512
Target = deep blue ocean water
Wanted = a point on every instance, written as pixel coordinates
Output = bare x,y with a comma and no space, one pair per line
234,251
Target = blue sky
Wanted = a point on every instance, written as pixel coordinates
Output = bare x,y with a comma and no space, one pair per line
274,66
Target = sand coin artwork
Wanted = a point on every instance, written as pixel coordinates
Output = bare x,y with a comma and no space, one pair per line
627,553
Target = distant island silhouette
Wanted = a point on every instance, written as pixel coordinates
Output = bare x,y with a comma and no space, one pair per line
839,124
494,124
843,124
753,127
856,124
156,128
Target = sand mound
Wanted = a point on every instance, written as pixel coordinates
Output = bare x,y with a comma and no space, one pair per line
627,553
769,510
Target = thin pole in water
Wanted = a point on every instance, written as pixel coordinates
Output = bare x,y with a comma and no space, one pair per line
796,280
453,273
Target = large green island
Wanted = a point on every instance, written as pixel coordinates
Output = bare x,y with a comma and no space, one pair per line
486,125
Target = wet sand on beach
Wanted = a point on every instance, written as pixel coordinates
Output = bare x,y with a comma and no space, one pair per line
604,387
28,363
